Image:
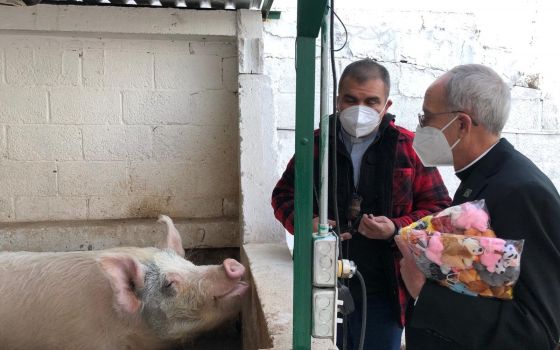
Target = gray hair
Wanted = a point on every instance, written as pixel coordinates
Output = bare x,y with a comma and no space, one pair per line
479,91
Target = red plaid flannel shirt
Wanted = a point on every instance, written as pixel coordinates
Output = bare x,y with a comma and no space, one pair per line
417,191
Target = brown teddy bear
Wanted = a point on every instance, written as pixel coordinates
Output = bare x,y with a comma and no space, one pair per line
458,253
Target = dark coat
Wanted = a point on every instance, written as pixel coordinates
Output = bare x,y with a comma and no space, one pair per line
523,204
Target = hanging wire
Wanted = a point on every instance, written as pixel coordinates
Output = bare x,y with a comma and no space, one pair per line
343,26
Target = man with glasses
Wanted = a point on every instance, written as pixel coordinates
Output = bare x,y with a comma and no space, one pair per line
381,186
465,111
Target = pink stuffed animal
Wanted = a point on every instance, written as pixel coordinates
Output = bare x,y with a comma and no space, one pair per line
472,217
493,250
434,248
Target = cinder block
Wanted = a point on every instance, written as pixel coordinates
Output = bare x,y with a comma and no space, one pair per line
85,106
151,178
280,47
282,72
44,142
230,73
42,66
27,178
3,146
92,67
196,143
212,48
152,206
250,55
129,69
551,115
6,209
182,179
230,206
286,149
217,178
539,148
188,72
415,81
406,110
92,178
2,73
524,115
524,93
19,66
179,107
102,142
285,105
160,45
23,106
50,208
139,142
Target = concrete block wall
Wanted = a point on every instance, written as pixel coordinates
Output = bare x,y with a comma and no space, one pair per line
417,42
111,126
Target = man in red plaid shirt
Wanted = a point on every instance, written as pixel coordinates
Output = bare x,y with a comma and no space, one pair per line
378,173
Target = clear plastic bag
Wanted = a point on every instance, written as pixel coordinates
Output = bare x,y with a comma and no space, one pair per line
457,248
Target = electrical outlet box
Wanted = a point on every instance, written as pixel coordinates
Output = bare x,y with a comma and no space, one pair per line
325,255
324,313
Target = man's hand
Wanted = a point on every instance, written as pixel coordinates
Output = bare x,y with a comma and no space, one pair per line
413,278
376,227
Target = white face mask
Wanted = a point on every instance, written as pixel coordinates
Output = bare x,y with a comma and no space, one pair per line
360,121
431,145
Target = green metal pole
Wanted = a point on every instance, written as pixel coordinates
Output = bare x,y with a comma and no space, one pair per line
305,96
310,14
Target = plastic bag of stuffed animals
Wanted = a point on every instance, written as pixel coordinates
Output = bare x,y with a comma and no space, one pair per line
457,248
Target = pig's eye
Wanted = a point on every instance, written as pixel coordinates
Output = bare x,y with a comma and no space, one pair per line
168,284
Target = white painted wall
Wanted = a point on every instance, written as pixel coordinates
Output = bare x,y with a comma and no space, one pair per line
418,41
100,120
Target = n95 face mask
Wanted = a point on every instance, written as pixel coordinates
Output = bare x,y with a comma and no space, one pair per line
431,145
360,121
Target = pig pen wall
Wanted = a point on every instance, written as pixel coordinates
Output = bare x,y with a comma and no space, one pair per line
114,125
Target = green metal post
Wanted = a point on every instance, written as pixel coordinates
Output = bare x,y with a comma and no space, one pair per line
310,14
305,96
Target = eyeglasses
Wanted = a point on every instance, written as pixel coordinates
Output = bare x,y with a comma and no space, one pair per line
422,117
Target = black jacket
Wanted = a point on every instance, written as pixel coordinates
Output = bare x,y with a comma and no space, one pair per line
523,204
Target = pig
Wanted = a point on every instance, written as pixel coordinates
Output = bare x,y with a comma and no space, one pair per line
120,298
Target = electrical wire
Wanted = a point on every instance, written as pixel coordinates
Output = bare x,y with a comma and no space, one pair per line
364,310
345,31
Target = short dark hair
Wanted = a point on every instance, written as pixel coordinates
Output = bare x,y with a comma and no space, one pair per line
364,70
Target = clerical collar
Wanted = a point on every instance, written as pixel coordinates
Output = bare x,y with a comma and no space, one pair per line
462,172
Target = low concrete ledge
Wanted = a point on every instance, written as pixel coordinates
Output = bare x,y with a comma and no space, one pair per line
94,235
267,320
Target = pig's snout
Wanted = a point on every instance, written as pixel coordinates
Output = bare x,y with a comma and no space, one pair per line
234,269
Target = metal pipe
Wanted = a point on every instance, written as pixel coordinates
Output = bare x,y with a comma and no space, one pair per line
324,125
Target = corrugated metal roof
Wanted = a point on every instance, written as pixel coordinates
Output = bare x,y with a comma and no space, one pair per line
191,4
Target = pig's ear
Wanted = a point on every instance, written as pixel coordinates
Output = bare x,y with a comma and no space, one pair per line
126,275
173,240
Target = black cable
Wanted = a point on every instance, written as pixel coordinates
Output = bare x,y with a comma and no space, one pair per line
364,310
345,32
